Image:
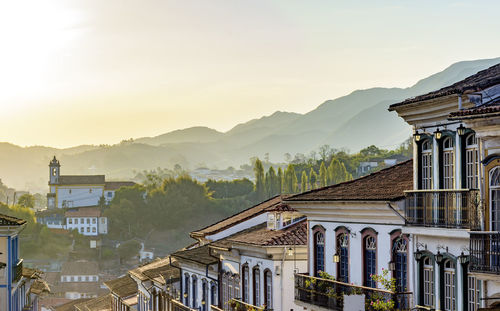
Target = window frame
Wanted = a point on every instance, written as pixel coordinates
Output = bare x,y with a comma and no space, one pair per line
369,233
342,249
317,231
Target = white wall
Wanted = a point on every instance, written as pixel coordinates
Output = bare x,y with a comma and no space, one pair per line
78,196
85,225
257,220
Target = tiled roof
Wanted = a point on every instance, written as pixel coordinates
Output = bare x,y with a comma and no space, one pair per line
80,267
70,306
240,217
122,287
115,185
259,235
102,303
485,111
81,180
385,185
39,286
139,271
84,212
164,274
477,82
6,220
199,254
31,273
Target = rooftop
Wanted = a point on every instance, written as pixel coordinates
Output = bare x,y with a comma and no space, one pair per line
477,82
6,220
484,111
123,287
387,184
241,216
102,303
259,235
83,212
199,254
157,263
80,267
115,185
70,306
81,180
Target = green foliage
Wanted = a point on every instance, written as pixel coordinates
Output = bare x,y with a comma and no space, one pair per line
280,179
222,189
290,182
323,175
26,200
313,178
379,301
260,190
273,183
304,184
128,249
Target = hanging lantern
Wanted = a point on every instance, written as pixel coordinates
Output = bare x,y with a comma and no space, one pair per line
461,130
438,134
417,135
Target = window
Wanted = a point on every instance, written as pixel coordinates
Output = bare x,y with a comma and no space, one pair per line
90,190
448,163
370,258
76,221
186,289
93,230
110,194
426,164
70,221
204,295
495,198
213,293
400,258
449,286
428,282
245,284
103,220
474,293
343,252
319,252
268,288
256,286
194,301
471,162
69,191
88,220
94,220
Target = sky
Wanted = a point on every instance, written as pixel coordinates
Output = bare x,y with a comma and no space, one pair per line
95,72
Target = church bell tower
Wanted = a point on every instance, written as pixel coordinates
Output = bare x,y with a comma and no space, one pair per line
54,169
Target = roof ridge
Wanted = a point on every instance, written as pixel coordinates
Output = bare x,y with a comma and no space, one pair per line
353,180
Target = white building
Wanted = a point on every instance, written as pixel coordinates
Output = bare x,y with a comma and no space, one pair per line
79,279
87,220
71,191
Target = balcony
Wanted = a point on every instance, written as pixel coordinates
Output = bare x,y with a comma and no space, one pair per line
238,305
443,208
17,271
485,252
330,294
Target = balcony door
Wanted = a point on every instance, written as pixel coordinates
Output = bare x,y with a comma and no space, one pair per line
495,198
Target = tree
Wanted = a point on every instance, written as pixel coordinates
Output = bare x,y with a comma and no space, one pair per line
303,182
272,183
258,170
128,250
322,175
288,157
290,180
26,200
324,152
280,179
313,179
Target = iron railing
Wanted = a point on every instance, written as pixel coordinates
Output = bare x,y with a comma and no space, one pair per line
17,271
330,294
443,208
215,308
485,252
238,305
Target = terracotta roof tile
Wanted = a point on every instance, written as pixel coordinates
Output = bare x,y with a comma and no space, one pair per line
6,220
83,212
70,306
102,303
157,263
240,217
485,111
199,254
122,287
81,180
385,185
115,185
80,267
479,81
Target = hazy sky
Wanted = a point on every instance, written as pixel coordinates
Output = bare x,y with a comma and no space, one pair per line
75,72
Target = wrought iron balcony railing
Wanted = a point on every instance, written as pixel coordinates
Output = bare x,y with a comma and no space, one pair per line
238,305
330,294
443,208
485,252
17,271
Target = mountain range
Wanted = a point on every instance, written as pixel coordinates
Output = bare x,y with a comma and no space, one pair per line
353,121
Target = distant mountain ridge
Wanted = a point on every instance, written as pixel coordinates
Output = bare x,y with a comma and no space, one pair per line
353,121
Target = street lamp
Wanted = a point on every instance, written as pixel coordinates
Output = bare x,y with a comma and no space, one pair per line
418,255
438,134
336,258
417,136
463,259
461,130
290,251
439,258
392,266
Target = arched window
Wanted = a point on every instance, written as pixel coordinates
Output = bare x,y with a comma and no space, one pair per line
256,286
426,162
343,252
450,279
471,162
400,258
186,289
245,284
204,295
213,293
268,288
448,163
319,252
369,257
225,290
194,303
495,198
428,281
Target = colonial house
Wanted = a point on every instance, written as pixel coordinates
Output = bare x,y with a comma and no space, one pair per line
355,231
452,207
77,279
19,288
71,191
245,259
87,221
